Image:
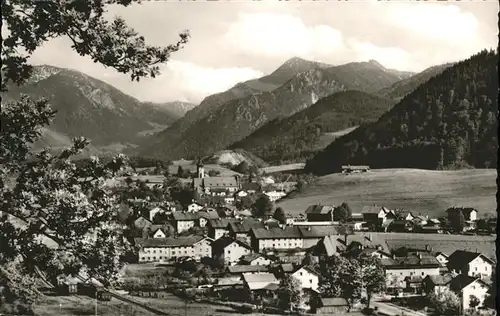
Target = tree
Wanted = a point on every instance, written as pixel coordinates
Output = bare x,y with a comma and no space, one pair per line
181,173
457,221
373,276
348,210
262,206
290,293
242,167
279,215
445,303
245,202
59,218
474,302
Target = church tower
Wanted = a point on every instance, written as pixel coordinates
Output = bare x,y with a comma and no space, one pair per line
200,169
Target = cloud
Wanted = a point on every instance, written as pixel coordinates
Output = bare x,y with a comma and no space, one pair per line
280,35
390,57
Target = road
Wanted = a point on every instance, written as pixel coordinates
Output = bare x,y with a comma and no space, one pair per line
394,310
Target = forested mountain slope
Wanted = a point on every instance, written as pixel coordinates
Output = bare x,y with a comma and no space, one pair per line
448,122
294,138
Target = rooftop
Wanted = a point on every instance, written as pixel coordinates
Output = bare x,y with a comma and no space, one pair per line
238,269
185,216
320,209
171,241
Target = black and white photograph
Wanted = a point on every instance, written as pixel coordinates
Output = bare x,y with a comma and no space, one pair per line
239,157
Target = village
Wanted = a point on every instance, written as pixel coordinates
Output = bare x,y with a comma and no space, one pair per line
221,250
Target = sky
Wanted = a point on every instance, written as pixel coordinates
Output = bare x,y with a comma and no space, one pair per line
234,41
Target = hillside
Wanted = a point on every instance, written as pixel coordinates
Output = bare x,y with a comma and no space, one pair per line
420,191
175,109
238,118
295,138
407,85
235,157
448,122
89,107
175,133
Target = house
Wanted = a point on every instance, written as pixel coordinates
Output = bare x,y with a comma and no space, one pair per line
332,306
159,233
442,258
308,277
289,219
377,253
164,249
260,281
241,193
275,195
194,207
213,185
217,228
473,264
237,271
376,215
400,226
240,228
251,187
414,284
409,217
436,283
355,169
327,246
470,213
255,259
466,286
320,213
229,251
420,220
397,269
205,215
183,221
276,238
155,211
429,229
142,223
229,200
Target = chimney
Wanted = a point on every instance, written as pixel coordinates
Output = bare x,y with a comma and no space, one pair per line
393,257
345,239
369,237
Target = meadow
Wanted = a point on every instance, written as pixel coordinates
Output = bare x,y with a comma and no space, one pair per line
426,192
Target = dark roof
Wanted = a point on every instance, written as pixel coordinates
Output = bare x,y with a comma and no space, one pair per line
237,269
216,182
251,256
320,209
460,258
172,242
439,279
208,214
185,216
461,281
333,301
251,186
412,260
218,223
465,210
225,241
276,233
286,267
245,225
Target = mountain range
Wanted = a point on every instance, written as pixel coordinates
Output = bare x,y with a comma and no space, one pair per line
92,108
223,119
450,121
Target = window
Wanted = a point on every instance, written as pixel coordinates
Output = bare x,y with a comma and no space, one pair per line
229,252
301,273
422,273
476,268
310,281
173,253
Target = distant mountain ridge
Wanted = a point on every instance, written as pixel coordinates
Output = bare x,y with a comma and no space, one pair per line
89,107
448,122
225,123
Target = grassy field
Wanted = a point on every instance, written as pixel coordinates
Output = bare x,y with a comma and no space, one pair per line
327,138
420,191
83,305
283,168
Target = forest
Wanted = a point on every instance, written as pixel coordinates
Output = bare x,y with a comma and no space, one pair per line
449,122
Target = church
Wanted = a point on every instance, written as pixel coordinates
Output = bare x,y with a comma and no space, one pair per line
214,186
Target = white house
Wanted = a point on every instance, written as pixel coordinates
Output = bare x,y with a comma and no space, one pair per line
275,195
229,200
307,277
218,228
229,250
471,263
194,207
259,281
184,221
466,287
163,249
255,259
241,193
159,233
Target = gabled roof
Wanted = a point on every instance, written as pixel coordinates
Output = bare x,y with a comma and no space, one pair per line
220,223
330,244
221,243
462,280
371,209
465,210
286,267
308,268
185,216
320,209
141,222
171,241
216,182
439,279
258,281
209,214
459,258
245,225
420,259
276,233
251,257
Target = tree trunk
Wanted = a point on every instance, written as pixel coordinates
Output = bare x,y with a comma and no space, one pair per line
368,299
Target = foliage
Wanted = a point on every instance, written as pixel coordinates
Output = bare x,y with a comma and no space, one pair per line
246,202
279,215
295,138
290,293
213,173
448,122
343,281
262,206
342,213
242,167
474,302
62,218
457,221
373,276
445,303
